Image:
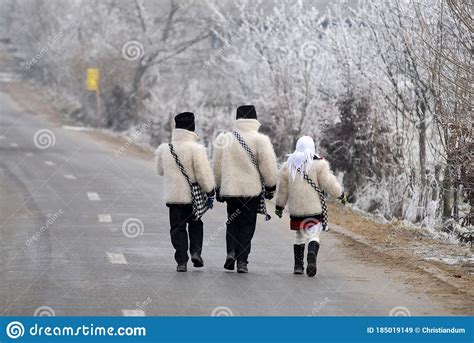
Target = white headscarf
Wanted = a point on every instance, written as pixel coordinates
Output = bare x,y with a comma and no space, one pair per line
303,156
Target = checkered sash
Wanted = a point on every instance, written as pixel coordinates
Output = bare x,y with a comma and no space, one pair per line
321,199
262,208
198,197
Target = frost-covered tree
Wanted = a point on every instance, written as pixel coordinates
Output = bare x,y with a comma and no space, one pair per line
279,62
384,87
445,38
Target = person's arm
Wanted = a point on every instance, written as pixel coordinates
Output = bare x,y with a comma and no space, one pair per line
202,170
266,159
327,180
282,192
159,160
217,160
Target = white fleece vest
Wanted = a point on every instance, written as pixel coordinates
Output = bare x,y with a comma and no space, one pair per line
194,159
235,174
301,198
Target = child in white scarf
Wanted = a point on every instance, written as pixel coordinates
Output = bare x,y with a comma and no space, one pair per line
303,200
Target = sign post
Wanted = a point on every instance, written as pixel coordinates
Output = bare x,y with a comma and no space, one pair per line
93,77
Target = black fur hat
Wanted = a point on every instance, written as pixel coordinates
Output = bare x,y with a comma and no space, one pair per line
246,112
185,121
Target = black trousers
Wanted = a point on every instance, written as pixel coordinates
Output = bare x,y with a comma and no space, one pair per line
181,218
241,221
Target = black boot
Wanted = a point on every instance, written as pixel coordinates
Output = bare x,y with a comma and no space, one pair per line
230,261
197,260
298,250
181,268
242,267
313,248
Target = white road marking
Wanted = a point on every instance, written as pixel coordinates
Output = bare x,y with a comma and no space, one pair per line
70,177
77,128
116,258
14,145
93,196
29,154
49,163
133,313
105,218
8,77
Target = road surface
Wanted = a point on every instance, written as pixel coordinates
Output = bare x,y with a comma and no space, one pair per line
68,245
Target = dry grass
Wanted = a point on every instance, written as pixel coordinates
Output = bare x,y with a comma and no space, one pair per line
405,249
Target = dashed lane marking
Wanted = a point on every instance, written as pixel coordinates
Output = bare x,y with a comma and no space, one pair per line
116,258
77,128
14,145
70,177
93,196
133,313
49,163
105,218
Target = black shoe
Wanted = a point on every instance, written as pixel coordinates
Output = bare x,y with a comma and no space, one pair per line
230,261
298,250
181,268
242,267
313,248
197,261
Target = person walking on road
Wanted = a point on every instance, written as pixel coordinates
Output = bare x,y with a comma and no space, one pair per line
246,174
302,180
188,180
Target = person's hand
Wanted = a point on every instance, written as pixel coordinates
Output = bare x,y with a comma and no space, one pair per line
269,195
269,192
210,202
343,199
279,212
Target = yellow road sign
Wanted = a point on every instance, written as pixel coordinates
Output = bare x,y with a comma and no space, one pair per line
92,79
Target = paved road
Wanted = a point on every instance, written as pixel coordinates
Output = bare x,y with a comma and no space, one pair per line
63,247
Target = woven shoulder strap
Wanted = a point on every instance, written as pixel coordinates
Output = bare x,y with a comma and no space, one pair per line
321,197
180,165
249,152
311,182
